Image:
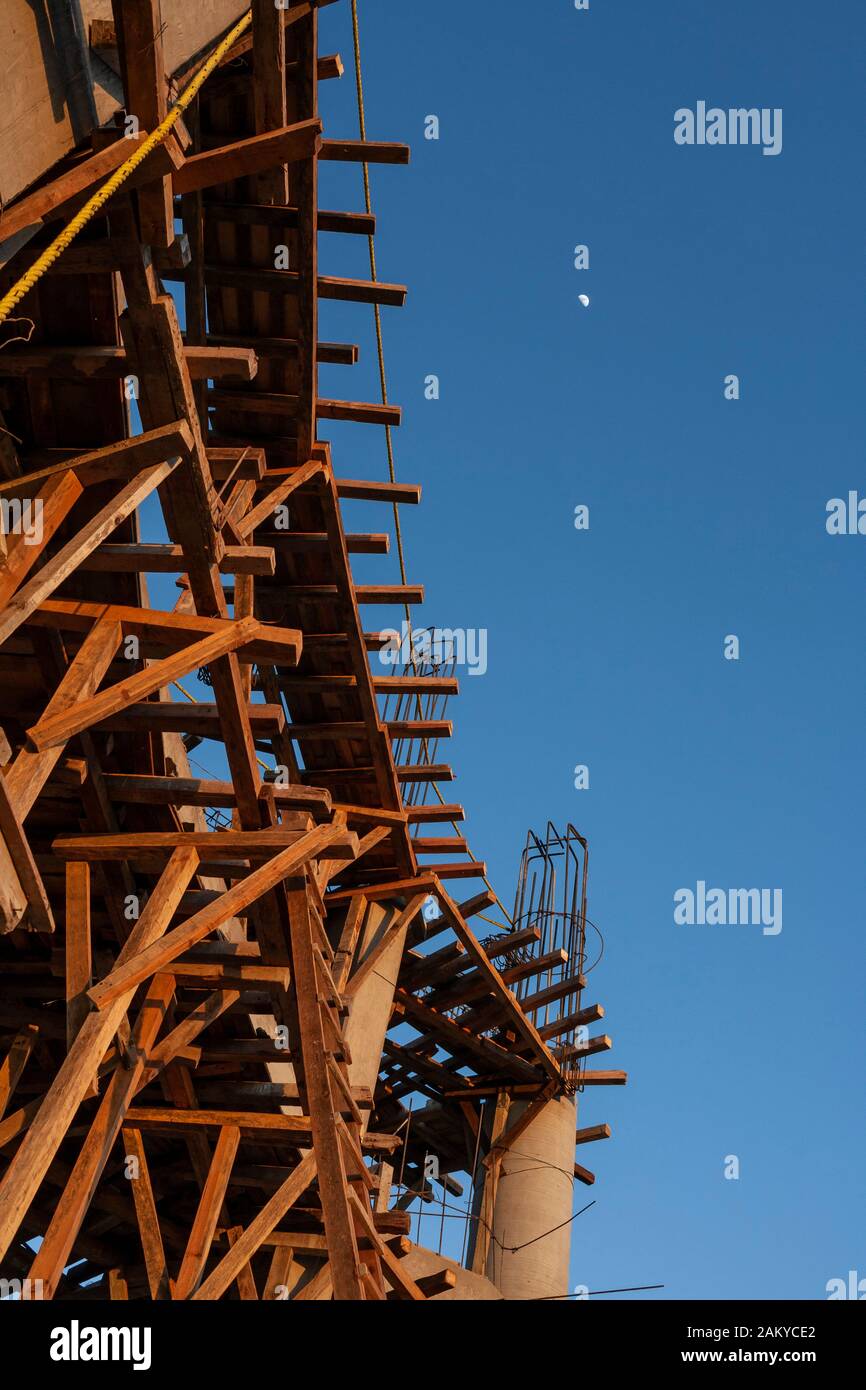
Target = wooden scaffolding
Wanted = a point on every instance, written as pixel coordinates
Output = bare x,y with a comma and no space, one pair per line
181,957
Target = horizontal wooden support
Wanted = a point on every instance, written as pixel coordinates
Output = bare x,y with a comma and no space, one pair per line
210,845
57,363
192,791
265,280
602,1078
237,974
357,543
264,215
281,349
594,1013
365,151
253,155
282,403
169,559
425,815
590,1135
601,1043
551,993
109,255
159,632
584,1175
420,728
330,593
441,844
361,490
253,1124
361,291
474,868
182,717
424,772
359,412
416,685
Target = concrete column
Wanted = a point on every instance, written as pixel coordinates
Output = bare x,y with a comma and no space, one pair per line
534,1194
370,1006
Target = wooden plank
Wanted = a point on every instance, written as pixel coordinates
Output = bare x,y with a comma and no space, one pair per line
364,152
591,1134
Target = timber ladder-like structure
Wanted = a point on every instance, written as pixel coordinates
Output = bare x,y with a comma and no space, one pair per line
238,1015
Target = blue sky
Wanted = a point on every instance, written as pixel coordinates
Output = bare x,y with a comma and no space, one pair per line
707,517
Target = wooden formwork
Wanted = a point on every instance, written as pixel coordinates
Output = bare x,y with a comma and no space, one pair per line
180,956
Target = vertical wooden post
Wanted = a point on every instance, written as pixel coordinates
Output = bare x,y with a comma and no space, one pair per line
79,964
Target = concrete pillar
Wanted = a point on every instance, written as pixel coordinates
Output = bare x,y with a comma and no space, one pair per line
370,1006
534,1194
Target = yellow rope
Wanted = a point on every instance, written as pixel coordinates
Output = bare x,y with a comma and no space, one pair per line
362,125
102,195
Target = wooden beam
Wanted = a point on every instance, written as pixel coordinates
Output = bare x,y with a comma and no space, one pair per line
113,462
147,1217
56,362
139,38
12,833
79,965
364,152
138,558
249,156
209,1207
